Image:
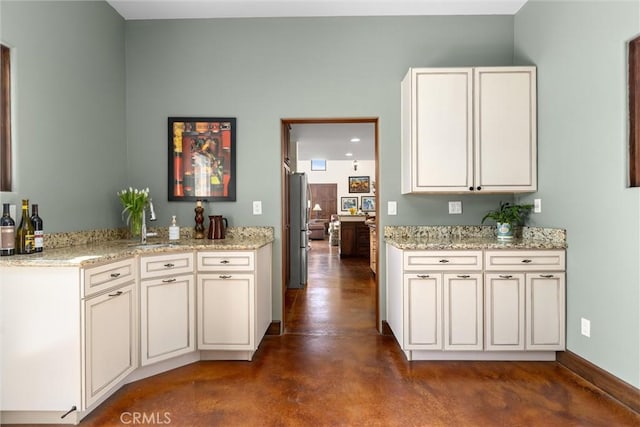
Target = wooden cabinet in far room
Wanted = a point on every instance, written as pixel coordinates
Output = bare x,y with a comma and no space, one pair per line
354,236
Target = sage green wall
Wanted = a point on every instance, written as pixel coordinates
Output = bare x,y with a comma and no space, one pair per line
263,70
580,50
69,116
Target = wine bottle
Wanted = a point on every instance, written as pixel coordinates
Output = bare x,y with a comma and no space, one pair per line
38,230
24,233
7,232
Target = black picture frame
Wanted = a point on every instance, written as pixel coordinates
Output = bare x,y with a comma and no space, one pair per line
368,203
348,202
202,159
359,184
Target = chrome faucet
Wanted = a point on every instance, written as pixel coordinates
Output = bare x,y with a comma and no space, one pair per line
152,217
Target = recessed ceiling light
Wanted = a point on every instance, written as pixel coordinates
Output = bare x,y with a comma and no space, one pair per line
348,154
355,139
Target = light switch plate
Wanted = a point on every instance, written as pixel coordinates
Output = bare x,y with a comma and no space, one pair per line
257,207
537,205
455,207
12,211
392,208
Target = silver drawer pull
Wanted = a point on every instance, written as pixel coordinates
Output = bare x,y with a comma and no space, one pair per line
116,294
224,276
547,276
463,276
114,275
169,280
506,276
224,261
169,265
526,261
443,261
423,276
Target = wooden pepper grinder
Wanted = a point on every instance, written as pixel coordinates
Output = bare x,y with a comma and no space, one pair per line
199,229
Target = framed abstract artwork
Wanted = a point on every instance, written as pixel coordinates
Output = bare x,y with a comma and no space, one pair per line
202,158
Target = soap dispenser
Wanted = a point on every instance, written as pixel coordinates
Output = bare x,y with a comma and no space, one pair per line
174,230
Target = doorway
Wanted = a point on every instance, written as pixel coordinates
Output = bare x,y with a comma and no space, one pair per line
289,165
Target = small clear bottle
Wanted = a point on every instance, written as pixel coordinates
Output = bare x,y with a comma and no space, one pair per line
174,230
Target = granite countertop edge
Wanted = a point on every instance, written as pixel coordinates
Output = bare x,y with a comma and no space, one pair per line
100,252
471,238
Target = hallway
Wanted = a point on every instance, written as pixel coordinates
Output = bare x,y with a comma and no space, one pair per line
331,368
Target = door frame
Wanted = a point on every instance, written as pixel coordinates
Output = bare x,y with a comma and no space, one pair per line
285,126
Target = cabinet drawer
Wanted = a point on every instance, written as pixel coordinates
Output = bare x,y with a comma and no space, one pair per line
442,260
161,265
107,276
524,260
226,261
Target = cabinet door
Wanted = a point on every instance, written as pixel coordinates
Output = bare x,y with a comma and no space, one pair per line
463,311
504,311
423,311
167,318
505,129
226,311
545,311
438,145
110,339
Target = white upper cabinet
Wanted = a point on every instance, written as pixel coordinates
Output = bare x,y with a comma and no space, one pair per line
469,130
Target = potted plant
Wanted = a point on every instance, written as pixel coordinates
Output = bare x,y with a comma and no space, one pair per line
508,216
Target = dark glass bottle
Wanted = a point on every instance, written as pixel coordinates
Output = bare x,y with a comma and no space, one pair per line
24,233
38,230
7,232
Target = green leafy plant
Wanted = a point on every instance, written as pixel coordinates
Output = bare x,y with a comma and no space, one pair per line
508,213
133,202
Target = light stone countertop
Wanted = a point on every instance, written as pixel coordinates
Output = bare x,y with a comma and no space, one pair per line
112,250
471,238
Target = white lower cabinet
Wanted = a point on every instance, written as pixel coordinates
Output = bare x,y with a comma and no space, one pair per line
504,311
226,311
423,316
449,306
463,311
167,307
545,308
109,340
233,301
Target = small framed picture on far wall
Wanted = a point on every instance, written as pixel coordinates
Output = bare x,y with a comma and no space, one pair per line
368,203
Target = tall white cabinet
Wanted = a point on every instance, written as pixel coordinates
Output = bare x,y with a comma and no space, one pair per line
469,130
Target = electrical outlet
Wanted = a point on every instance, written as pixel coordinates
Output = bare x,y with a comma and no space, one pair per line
257,207
585,327
392,208
455,208
537,205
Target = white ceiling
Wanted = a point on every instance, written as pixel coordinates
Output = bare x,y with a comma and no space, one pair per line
331,141
200,9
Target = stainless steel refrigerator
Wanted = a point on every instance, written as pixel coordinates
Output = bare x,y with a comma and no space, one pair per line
299,227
